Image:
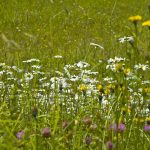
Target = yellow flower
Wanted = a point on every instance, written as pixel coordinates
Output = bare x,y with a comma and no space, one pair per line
135,19
147,90
83,87
139,120
122,88
111,86
125,110
127,71
146,23
148,119
118,67
99,87
107,91
118,137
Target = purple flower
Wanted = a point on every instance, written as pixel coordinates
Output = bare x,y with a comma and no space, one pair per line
147,128
110,145
88,140
46,132
113,127
19,135
121,127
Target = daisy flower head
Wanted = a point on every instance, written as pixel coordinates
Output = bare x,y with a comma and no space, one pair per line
28,76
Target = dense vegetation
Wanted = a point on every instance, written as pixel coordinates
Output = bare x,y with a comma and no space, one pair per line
75,74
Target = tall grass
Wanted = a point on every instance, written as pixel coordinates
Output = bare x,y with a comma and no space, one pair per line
74,75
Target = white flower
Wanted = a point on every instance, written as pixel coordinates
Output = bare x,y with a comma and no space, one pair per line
9,73
118,59
130,90
53,79
28,76
147,111
126,39
2,72
2,64
146,82
45,84
82,64
115,60
31,60
89,72
15,79
74,78
38,72
108,79
57,82
2,84
60,73
58,56
141,66
100,61
105,102
140,89
16,69
36,67
42,79
86,79
110,60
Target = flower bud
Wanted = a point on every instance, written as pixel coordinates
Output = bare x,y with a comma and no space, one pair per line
88,140
87,120
46,132
34,112
93,127
64,124
110,145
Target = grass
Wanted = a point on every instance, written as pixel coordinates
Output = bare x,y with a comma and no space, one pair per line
66,82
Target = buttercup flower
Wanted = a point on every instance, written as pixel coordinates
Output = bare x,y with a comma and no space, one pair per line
135,19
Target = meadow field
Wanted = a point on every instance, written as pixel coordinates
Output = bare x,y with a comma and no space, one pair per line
74,75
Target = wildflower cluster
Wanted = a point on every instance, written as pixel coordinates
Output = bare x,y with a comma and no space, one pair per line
76,89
